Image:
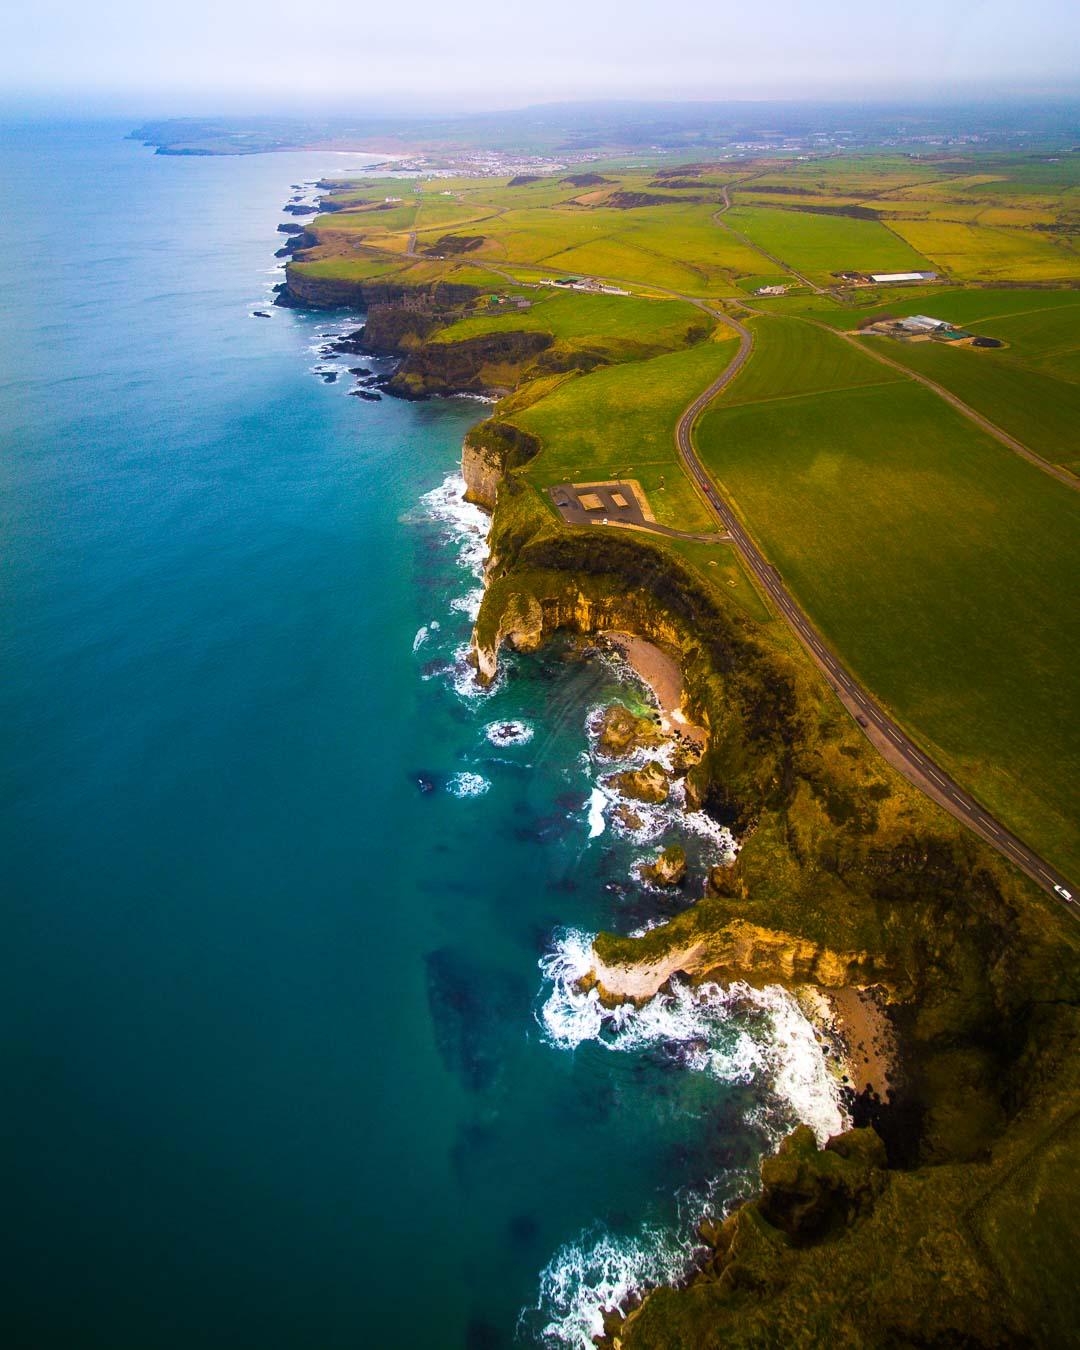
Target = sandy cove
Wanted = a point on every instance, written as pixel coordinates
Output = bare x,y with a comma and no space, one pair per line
850,1020
662,674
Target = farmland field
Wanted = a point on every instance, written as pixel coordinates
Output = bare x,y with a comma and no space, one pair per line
793,357
941,566
1042,410
620,423
987,253
819,245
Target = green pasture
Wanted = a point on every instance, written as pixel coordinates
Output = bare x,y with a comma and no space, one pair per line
791,357
941,567
1040,409
818,245
973,307
619,422
612,321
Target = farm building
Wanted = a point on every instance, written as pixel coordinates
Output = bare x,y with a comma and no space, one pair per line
899,278
921,323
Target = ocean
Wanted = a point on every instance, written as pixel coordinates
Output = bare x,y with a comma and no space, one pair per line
292,1049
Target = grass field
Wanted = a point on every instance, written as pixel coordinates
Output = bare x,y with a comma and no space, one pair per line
1042,410
987,253
974,308
792,357
620,423
941,567
818,245
616,322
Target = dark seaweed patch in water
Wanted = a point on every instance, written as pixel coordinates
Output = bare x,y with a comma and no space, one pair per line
482,1335
541,830
541,935
571,801
469,1151
523,1230
472,1006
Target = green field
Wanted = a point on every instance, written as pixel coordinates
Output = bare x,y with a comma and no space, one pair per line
818,245
974,308
792,357
942,568
1040,409
620,423
618,323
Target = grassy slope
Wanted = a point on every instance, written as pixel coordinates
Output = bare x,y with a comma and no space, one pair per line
941,566
620,422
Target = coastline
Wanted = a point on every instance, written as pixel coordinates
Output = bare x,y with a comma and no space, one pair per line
766,928
663,674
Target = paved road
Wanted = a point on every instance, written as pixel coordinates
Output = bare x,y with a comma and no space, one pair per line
886,736
882,731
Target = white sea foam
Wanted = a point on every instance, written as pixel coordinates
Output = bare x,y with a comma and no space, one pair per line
466,525
601,1271
468,785
469,603
511,732
598,800
735,1033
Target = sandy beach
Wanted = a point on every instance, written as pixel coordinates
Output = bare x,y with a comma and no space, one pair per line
663,676
861,1034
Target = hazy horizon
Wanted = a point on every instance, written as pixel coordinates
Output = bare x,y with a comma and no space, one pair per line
209,57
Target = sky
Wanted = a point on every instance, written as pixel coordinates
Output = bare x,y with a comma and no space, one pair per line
200,56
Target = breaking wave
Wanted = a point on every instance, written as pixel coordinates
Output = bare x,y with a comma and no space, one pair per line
734,1033
510,732
467,785
466,526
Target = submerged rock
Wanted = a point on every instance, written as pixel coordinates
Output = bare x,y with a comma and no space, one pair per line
648,784
669,869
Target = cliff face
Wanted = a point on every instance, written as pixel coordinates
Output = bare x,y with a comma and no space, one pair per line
491,363
306,290
492,449
743,951
846,876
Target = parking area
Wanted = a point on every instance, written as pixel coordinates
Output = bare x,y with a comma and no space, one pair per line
595,503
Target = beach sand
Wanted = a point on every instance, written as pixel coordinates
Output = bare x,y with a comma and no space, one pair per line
856,1026
663,676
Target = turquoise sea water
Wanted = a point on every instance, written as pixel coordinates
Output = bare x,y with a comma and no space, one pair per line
291,1052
